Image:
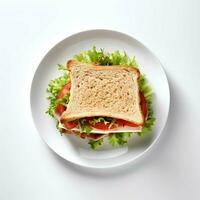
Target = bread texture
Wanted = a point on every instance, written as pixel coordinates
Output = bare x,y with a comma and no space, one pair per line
110,91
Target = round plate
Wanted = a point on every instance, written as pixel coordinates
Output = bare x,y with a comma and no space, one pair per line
72,148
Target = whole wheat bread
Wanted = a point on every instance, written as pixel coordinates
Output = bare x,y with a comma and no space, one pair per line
110,91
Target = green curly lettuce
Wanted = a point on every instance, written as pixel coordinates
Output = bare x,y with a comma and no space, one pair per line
84,127
54,88
103,58
119,138
105,120
95,144
147,91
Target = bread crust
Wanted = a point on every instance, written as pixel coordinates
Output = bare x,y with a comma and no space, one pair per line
70,63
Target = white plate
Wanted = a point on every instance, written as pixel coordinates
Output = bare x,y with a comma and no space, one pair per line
73,149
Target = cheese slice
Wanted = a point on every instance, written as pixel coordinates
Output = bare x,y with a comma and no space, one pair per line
115,130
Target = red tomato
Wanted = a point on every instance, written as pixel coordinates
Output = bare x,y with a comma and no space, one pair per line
103,126
70,125
143,104
60,109
122,122
64,90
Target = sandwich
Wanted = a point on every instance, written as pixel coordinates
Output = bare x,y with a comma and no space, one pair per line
101,98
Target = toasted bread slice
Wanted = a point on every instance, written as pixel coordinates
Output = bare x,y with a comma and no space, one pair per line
110,91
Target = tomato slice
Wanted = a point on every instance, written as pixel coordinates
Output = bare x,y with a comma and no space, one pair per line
60,109
70,125
103,126
122,122
64,90
143,104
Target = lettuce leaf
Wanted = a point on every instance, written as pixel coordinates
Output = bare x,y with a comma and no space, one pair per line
64,100
95,144
119,138
54,87
95,120
84,127
102,58
147,91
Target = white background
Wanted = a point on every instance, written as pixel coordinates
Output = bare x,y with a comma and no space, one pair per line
29,169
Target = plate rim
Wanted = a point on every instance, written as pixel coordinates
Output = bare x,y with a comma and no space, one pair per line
59,39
